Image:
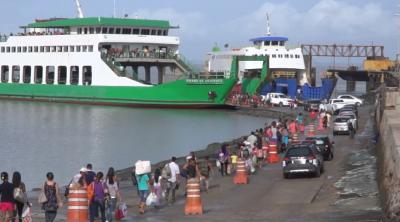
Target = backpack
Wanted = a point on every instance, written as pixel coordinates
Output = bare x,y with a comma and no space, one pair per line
166,172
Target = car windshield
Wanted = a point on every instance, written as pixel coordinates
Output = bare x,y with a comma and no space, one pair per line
318,140
349,116
283,96
341,120
298,151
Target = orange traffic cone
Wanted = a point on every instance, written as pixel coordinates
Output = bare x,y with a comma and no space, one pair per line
193,201
295,138
241,174
273,153
77,205
311,129
320,123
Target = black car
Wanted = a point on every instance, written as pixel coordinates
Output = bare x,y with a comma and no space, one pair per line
312,105
324,145
302,158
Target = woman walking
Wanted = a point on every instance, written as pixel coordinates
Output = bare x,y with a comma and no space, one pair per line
143,185
113,192
223,158
19,195
7,198
157,186
52,192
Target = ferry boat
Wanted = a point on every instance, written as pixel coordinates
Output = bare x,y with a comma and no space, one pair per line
95,60
284,61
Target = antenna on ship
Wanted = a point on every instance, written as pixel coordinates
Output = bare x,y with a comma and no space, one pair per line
79,9
268,25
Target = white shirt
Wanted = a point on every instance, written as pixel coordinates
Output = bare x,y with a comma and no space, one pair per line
174,171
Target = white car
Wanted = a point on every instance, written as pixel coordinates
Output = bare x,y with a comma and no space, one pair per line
335,104
352,118
350,99
278,99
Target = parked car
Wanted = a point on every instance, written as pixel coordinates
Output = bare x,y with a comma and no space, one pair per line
279,99
324,145
311,105
334,104
302,158
350,99
352,118
340,125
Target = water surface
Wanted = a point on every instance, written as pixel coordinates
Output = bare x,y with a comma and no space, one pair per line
41,137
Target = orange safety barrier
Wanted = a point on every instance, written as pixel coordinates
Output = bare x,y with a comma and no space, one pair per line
273,156
77,205
193,200
241,173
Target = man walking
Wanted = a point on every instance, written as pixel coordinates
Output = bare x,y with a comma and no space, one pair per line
171,172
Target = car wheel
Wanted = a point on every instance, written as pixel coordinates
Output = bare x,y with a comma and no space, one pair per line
317,173
286,175
358,104
280,104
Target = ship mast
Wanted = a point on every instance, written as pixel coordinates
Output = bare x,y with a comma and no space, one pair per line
268,25
79,9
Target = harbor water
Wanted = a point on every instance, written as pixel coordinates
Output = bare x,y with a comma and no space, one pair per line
41,137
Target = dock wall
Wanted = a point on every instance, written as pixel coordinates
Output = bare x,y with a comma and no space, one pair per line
388,124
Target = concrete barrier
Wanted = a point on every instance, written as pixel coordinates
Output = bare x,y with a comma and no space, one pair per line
389,163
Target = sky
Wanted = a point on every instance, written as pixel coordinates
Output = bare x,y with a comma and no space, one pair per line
207,22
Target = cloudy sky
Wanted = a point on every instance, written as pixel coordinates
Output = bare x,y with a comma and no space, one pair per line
206,22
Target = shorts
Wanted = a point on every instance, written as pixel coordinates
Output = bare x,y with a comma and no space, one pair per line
6,206
260,159
143,195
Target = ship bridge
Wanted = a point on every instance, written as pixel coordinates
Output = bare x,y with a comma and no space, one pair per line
269,41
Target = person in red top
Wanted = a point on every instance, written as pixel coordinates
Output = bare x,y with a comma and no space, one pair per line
313,114
292,127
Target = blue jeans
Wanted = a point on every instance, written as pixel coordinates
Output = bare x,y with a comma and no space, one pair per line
96,204
112,204
143,195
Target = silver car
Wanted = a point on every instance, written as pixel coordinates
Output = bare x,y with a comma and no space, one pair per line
340,125
352,118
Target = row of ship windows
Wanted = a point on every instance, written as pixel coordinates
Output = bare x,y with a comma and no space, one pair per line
286,56
126,31
23,49
78,76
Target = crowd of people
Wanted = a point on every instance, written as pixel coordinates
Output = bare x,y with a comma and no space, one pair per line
153,189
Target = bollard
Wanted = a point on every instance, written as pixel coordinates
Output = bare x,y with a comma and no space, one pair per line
193,200
273,156
241,173
77,205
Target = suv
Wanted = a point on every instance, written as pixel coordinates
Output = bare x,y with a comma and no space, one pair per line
278,99
302,158
340,125
324,145
350,99
312,105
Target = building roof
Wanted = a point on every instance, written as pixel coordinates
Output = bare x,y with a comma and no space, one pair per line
100,21
269,38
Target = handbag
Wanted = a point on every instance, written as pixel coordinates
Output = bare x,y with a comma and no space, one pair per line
19,195
42,197
151,199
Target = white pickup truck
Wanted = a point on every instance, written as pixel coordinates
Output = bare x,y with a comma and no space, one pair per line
279,99
335,104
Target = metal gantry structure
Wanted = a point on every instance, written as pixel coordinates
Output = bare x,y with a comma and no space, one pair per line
343,50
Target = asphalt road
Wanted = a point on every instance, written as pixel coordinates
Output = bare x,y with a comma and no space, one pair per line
268,196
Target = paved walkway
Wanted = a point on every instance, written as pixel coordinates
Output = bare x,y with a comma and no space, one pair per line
268,197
